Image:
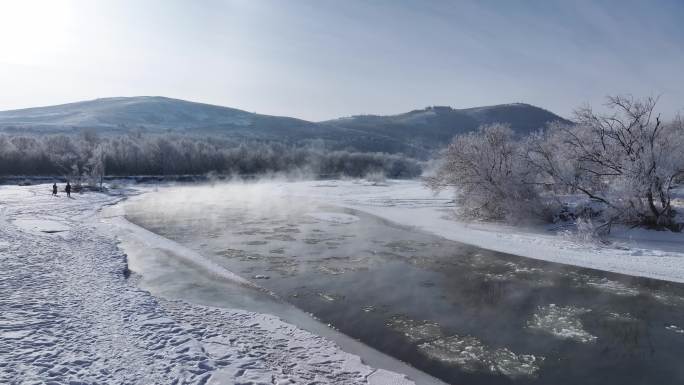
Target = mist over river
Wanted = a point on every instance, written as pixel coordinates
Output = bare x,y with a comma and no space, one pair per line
463,314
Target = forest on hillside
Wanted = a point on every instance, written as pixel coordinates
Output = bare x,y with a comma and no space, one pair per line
87,156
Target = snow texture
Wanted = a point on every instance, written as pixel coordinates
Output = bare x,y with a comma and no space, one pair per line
71,313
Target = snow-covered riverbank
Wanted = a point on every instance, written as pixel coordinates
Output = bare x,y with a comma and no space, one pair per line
635,252
73,314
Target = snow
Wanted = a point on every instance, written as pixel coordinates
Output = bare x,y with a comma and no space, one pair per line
382,376
133,111
71,313
637,252
43,225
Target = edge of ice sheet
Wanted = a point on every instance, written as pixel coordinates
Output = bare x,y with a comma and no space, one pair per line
152,240
78,317
359,353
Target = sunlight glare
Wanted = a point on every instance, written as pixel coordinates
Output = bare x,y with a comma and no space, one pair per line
33,30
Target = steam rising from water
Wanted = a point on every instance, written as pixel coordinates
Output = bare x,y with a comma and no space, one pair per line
342,265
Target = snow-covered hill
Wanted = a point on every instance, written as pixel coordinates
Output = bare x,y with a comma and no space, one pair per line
416,133
133,112
434,126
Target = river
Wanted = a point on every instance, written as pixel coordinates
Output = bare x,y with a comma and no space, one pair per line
463,314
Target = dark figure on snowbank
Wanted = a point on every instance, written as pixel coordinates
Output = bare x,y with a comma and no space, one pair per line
68,190
54,189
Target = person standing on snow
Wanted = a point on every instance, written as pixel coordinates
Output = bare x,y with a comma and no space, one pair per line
54,189
68,190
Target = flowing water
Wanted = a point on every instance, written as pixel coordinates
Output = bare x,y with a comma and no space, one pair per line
463,314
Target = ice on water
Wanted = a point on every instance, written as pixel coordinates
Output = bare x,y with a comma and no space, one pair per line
467,352
333,217
562,322
415,330
472,355
613,287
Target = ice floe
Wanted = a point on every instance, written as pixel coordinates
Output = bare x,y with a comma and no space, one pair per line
340,218
467,352
414,330
611,286
471,355
562,322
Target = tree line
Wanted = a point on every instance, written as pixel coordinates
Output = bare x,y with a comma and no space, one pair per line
89,156
614,167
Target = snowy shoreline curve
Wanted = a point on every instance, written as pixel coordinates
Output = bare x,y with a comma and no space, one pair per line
72,313
636,252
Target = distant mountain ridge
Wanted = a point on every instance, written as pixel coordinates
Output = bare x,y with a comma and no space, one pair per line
435,126
416,133
150,111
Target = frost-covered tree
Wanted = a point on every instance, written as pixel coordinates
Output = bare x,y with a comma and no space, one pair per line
625,161
63,152
88,156
488,173
96,165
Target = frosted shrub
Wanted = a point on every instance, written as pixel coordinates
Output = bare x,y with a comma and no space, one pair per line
625,164
585,232
488,174
376,178
626,161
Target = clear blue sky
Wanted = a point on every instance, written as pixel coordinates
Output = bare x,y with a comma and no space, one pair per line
324,59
